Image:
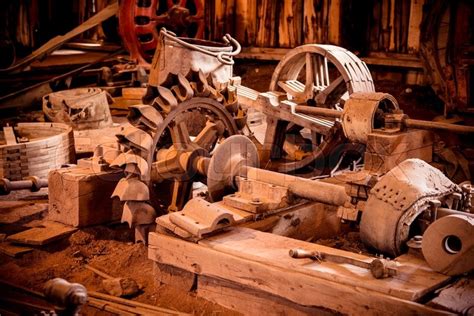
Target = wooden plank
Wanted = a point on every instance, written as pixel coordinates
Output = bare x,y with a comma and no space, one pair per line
41,235
416,14
13,250
391,26
271,277
246,21
247,300
57,41
458,297
410,284
289,29
9,135
334,20
133,93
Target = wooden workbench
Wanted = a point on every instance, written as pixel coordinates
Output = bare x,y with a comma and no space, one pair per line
246,269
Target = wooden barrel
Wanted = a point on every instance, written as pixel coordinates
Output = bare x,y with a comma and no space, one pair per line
41,148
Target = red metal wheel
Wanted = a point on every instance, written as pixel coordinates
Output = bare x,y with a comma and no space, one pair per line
141,20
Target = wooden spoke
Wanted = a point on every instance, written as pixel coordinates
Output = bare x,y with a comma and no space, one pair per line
208,136
180,133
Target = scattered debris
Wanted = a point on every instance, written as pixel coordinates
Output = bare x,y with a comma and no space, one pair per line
116,286
42,235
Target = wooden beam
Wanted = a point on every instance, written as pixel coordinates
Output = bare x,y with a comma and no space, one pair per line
244,257
416,14
334,22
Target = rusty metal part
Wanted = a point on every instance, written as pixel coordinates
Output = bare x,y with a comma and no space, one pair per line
367,112
129,158
33,184
183,55
131,189
200,217
399,197
448,246
380,268
237,156
68,298
140,22
82,108
455,128
165,100
364,112
136,138
138,213
144,116
228,161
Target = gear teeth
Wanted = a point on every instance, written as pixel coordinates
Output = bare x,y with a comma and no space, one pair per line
199,84
131,159
133,137
230,99
240,119
131,189
144,115
183,90
165,101
138,213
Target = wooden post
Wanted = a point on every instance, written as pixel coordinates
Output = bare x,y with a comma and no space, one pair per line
245,22
416,14
391,26
334,22
289,28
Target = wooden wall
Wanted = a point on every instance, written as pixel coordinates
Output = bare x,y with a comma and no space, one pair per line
368,25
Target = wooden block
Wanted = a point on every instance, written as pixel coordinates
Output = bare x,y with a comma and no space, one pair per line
42,235
261,262
13,250
81,196
382,163
9,135
133,93
389,144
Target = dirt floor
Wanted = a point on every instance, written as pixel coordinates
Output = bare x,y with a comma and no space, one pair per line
107,248
110,248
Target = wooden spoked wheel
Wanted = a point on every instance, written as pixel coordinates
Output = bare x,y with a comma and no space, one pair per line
314,75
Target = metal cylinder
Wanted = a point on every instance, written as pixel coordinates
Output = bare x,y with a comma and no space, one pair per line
313,190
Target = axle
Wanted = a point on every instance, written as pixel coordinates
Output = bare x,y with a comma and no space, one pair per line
237,157
30,183
395,119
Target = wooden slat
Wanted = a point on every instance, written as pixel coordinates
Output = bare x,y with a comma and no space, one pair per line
416,14
44,234
334,20
9,135
292,282
246,21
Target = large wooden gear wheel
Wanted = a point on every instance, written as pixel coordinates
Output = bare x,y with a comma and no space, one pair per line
141,20
321,76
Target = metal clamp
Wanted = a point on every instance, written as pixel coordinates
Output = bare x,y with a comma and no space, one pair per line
223,57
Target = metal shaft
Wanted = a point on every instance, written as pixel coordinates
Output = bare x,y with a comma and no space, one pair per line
407,122
311,110
313,190
31,183
461,129
309,189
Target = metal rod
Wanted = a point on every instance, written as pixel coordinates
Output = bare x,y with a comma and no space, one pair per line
311,110
462,129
